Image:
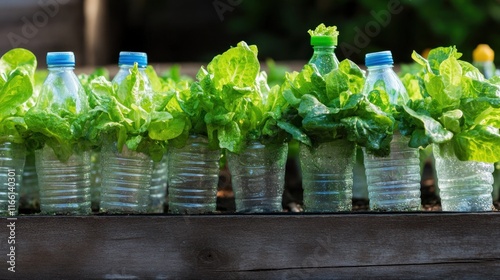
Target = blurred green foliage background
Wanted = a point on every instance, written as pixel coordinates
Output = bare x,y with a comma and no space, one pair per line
198,30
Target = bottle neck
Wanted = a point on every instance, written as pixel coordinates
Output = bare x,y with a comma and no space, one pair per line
390,83
60,68
129,66
324,49
379,68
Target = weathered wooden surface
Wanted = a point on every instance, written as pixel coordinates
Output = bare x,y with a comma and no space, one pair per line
284,246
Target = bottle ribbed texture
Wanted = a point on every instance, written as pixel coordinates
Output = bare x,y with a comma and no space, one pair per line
125,180
394,181
258,177
30,192
12,158
193,178
158,188
327,176
64,186
464,186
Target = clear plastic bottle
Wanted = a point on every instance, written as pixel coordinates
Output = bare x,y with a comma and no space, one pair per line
64,186
326,188
193,178
126,61
125,180
327,176
324,57
482,58
258,177
393,181
126,175
465,186
12,159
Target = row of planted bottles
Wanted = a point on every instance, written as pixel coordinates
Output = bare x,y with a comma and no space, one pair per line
127,145
113,179
390,183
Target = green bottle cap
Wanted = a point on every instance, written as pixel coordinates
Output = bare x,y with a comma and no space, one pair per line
322,40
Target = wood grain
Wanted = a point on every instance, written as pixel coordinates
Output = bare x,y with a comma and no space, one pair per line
281,246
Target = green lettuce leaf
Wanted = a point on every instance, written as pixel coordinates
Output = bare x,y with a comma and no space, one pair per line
452,102
17,71
325,108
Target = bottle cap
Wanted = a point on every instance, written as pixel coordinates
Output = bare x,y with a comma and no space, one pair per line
378,58
323,40
483,52
129,58
66,59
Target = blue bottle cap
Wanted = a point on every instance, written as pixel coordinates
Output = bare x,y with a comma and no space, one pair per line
129,58
65,59
378,58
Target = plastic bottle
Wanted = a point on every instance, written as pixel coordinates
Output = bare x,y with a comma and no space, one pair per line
324,57
125,180
159,178
327,176
465,186
326,187
193,178
64,186
393,181
482,59
258,177
12,158
126,175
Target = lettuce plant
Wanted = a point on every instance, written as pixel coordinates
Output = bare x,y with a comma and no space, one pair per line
324,108
452,102
235,101
142,124
17,74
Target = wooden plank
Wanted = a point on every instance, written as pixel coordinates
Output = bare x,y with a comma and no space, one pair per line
281,246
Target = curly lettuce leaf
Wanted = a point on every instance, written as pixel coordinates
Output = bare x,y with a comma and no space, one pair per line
452,102
129,117
236,101
332,107
17,70
323,30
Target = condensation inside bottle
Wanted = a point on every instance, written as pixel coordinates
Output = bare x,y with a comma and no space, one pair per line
258,177
327,176
324,59
465,186
394,181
